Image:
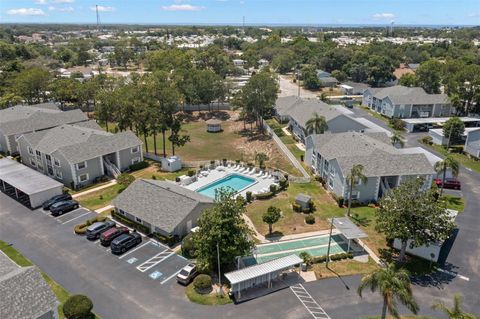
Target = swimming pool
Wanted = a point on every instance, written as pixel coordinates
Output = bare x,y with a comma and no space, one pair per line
235,181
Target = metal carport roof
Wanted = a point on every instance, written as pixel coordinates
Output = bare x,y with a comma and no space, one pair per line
348,228
24,178
272,266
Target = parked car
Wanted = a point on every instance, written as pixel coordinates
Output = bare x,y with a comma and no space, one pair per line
449,183
109,235
125,242
186,275
56,199
96,229
60,208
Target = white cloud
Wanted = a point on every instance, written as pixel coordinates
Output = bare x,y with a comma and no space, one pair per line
61,9
44,2
40,1
182,7
103,9
62,1
26,12
378,16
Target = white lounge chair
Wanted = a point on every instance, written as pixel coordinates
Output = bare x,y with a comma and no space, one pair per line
243,169
259,174
252,171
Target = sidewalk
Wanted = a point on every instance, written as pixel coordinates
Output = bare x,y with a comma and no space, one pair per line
111,183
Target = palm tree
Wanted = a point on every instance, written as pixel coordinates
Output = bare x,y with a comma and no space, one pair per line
261,158
448,163
456,311
356,174
394,285
323,97
316,124
397,139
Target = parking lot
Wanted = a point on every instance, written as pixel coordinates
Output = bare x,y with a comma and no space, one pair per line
155,260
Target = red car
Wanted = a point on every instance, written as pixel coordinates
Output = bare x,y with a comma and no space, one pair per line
108,236
449,183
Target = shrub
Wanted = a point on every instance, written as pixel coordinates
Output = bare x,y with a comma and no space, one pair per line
168,240
154,177
125,179
283,184
190,173
301,158
249,196
306,210
427,140
296,207
78,307
241,200
340,201
320,259
310,219
138,166
307,258
311,206
177,179
266,195
202,283
237,161
224,161
188,249
273,188
396,123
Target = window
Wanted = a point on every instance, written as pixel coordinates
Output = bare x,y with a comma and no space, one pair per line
122,212
40,166
48,157
38,153
49,170
355,195
330,182
135,160
82,165
58,174
33,163
83,177
30,150
56,162
138,220
135,149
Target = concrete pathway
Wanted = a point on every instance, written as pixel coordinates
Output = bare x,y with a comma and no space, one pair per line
111,183
257,235
101,210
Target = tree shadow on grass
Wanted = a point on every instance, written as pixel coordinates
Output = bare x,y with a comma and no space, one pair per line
274,236
360,220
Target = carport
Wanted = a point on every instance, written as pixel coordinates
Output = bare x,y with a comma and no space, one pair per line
26,185
259,274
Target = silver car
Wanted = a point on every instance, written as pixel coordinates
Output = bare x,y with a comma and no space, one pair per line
186,275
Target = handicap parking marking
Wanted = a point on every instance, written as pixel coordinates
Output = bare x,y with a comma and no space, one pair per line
132,260
155,275
155,260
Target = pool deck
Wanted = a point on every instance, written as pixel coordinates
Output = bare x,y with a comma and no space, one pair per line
222,171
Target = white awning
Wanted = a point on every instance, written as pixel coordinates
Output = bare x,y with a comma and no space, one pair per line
348,228
266,268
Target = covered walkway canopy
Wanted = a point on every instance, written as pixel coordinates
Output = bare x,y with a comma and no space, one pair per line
26,185
262,273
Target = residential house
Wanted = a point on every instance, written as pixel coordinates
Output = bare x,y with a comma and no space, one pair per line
402,70
78,154
332,156
300,111
323,74
407,102
472,143
25,293
162,206
22,119
353,88
326,79
439,139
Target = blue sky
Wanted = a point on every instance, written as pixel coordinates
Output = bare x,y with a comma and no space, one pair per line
423,12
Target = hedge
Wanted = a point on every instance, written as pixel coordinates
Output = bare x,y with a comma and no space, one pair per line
202,283
81,229
297,207
78,306
139,227
169,240
249,196
138,166
266,195
336,257
273,188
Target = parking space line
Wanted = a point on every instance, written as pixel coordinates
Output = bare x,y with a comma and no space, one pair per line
167,279
308,302
136,248
453,274
76,218
155,260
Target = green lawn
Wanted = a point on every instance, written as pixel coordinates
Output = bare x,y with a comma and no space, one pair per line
210,299
454,202
344,267
100,198
18,258
461,158
293,222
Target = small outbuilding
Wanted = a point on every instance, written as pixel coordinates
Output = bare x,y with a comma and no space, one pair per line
26,185
303,200
171,164
214,125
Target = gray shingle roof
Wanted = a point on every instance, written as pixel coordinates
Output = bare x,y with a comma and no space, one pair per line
78,143
410,95
24,293
370,150
284,103
160,203
21,119
303,109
